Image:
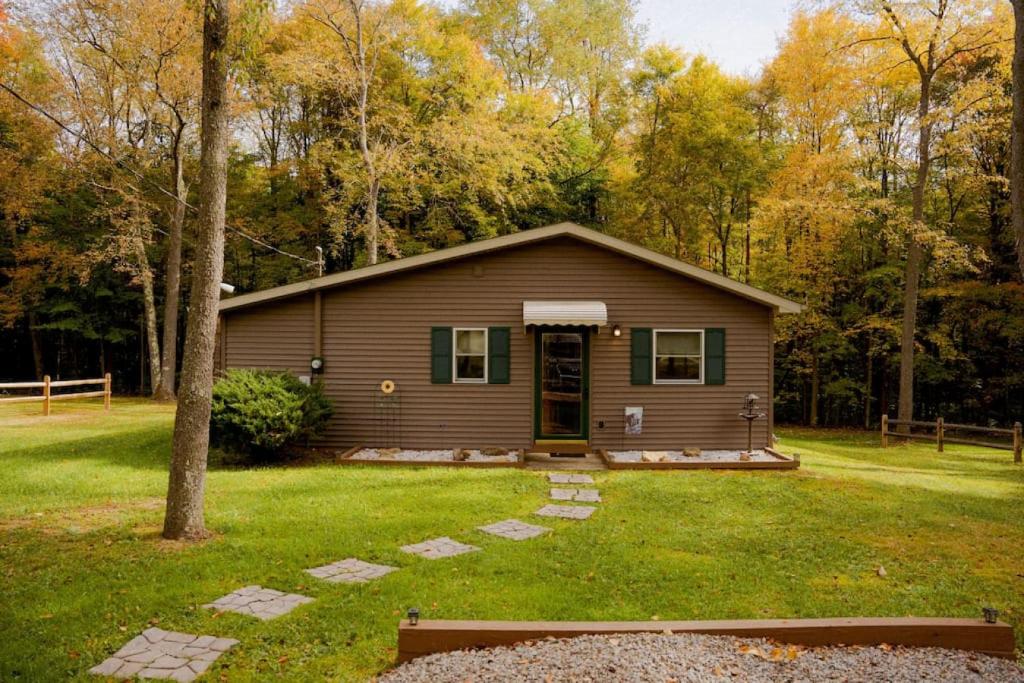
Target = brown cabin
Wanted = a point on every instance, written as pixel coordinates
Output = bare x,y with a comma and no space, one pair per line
543,337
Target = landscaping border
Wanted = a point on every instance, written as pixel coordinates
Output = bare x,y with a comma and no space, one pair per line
783,462
346,459
997,640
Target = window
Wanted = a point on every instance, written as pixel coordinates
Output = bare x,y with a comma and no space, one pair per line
470,357
678,357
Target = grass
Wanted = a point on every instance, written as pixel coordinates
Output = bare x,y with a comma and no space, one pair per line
83,568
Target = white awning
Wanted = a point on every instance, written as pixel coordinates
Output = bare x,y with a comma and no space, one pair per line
565,313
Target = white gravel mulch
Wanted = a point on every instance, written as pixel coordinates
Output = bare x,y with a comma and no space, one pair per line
428,455
404,454
473,455
692,657
677,456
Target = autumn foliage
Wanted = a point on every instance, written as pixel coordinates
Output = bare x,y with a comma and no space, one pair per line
387,128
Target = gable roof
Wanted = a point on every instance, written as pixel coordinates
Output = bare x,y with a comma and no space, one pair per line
505,242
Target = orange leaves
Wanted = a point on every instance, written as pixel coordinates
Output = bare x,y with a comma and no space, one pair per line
780,653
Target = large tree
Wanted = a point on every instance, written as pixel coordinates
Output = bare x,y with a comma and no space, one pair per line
931,34
184,518
1017,133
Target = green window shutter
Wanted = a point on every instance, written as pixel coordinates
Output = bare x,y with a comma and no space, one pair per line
498,357
641,350
714,356
441,355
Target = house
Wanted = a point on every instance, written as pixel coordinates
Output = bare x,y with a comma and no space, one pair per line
540,338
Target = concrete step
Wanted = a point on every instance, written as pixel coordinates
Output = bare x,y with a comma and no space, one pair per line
546,461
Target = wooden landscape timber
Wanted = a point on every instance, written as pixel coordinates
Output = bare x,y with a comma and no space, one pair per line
782,462
48,396
940,427
995,639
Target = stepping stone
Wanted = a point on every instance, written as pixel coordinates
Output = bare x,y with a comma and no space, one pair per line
514,529
566,511
559,478
156,653
579,495
587,496
437,548
259,602
350,570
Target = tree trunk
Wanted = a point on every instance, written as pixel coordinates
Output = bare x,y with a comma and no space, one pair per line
185,491
37,346
1017,136
725,254
915,256
372,221
149,311
867,386
172,289
815,390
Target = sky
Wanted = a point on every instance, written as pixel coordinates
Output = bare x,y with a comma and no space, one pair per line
740,35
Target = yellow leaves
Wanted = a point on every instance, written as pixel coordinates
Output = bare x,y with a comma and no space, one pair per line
784,653
815,75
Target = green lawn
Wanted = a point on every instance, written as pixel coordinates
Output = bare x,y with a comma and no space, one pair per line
84,569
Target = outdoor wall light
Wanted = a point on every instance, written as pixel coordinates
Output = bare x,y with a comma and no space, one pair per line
414,616
616,331
991,614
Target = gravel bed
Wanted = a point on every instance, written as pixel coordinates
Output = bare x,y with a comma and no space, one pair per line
691,657
677,456
474,455
403,454
437,455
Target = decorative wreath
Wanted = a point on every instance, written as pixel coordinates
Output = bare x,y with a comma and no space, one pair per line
387,386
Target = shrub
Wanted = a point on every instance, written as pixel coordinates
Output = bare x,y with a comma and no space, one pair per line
261,412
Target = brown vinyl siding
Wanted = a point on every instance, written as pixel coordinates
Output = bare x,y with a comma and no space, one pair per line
380,329
276,336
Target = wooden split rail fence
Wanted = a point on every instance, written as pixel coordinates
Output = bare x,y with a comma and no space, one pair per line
939,428
47,386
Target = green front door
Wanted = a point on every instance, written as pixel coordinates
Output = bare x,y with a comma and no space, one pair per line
561,384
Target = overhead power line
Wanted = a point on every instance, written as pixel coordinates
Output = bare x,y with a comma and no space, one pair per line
128,169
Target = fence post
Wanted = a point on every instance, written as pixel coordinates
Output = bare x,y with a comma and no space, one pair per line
106,391
1016,442
940,433
885,431
46,395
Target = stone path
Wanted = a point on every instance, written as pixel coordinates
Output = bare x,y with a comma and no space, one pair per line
351,570
514,529
438,548
559,478
578,495
156,653
183,657
566,511
259,602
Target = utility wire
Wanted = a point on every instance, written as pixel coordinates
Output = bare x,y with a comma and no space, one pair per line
128,169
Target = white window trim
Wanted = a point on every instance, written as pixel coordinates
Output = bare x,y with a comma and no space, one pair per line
456,354
654,360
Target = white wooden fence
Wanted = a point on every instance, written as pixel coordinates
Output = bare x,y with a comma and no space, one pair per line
46,385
